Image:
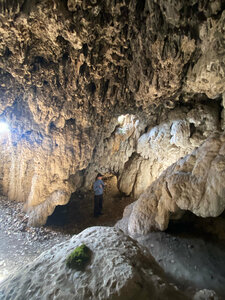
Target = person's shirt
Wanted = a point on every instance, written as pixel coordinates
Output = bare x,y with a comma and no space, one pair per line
98,187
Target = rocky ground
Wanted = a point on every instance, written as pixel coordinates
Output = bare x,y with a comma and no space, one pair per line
191,251
20,244
192,264
118,269
77,215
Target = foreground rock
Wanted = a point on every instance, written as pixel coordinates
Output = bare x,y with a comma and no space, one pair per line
192,261
119,269
21,244
205,295
195,183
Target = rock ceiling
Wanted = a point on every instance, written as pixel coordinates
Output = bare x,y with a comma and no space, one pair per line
68,69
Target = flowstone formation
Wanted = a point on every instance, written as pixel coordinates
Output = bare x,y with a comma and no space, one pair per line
195,183
119,269
69,69
139,153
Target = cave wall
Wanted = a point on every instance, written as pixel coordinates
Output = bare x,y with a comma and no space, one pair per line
195,183
138,158
164,144
68,69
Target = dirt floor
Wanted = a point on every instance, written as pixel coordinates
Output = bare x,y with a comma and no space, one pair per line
78,213
20,244
191,251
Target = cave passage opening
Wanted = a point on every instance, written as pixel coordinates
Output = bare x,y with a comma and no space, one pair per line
78,214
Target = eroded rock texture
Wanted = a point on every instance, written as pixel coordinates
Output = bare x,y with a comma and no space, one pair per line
195,183
69,69
164,144
119,269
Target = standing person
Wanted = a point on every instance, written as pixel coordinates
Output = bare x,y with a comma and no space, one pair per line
98,199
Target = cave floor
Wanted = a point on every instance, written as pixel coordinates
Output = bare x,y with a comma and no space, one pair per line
78,213
74,217
191,257
19,244
191,261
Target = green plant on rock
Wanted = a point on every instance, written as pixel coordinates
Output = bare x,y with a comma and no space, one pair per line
79,258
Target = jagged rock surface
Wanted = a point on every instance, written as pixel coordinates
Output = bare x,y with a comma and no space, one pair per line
164,144
119,269
68,69
207,75
205,295
195,183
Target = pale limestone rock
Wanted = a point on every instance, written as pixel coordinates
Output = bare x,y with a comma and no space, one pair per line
180,132
143,178
205,295
39,213
131,167
34,174
161,146
195,183
208,74
114,151
164,144
119,269
37,176
123,223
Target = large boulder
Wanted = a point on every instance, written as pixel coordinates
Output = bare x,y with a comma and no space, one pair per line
195,183
119,269
162,145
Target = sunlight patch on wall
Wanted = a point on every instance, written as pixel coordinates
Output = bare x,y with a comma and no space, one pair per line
4,128
127,123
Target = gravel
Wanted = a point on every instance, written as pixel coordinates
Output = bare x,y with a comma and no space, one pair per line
20,244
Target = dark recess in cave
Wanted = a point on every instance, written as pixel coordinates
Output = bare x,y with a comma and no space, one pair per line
85,50
192,129
140,6
71,122
68,214
189,224
7,52
65,56
82,69
59,216
91,88
52,126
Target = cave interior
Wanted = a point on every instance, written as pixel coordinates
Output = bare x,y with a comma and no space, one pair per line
131,89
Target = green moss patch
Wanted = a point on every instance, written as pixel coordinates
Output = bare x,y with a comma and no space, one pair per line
79,258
